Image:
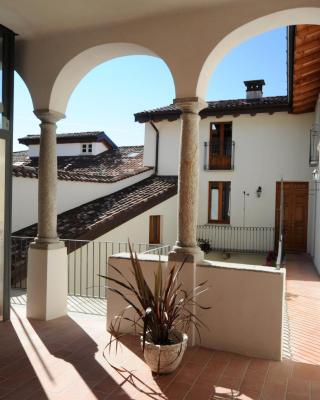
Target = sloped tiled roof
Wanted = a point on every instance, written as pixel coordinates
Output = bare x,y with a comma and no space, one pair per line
20,157
110,166
219,108
73,137
92,219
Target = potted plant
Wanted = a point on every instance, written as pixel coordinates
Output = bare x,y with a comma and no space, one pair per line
204,245
163,313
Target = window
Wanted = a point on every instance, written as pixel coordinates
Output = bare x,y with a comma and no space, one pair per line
154,229
219,202
313,152
221,146
87,148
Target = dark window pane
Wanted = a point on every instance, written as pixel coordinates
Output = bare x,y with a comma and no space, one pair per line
226,201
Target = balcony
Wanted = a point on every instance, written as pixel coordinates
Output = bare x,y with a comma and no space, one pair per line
314,153
219,156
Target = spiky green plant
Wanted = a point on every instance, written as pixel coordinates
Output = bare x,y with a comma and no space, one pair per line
159,310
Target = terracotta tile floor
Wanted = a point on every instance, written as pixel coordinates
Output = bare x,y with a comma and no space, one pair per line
62,359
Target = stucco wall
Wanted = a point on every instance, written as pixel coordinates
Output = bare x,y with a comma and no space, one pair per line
137,229
69,149
267,148
247,308
70,194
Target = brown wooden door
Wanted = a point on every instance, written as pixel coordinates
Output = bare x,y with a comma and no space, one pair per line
295,215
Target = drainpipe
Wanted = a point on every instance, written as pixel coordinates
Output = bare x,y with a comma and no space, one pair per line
157,146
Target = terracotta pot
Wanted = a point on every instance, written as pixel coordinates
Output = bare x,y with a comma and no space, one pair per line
163,359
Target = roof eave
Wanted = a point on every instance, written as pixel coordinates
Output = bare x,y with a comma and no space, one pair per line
207,112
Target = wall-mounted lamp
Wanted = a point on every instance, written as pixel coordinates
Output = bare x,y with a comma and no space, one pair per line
259,191
316,175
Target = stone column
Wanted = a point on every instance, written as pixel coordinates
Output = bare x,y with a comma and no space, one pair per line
188,175
47,278
47,188
186,250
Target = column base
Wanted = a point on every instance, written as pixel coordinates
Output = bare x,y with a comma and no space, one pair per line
190,254
40,243
47,281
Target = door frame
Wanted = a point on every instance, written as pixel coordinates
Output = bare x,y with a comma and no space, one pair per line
277,214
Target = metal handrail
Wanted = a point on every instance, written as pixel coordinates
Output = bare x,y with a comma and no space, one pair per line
280,255
208,146
162,250
86,261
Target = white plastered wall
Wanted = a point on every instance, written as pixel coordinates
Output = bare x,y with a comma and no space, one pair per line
69,149
70,194
267,148
137,229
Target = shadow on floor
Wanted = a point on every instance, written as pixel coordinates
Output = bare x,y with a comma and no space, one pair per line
18,379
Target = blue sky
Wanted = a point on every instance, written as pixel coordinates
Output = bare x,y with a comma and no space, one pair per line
111,93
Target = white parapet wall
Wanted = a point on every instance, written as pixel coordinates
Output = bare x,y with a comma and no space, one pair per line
247,304
247,308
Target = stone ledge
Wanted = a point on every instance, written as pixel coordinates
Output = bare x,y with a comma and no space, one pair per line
240,267
141,257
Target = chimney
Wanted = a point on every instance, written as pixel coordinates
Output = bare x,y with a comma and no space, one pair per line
254,88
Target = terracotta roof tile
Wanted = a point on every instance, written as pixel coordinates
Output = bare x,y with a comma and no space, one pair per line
219,108
99,216
107,167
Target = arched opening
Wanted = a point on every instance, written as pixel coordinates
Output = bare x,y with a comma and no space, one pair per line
110,94
272,175
72,73
270,22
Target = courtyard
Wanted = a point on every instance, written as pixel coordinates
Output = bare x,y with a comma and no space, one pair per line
63,358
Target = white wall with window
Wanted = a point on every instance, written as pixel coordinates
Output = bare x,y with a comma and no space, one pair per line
71,149
70,194
267,148
142,228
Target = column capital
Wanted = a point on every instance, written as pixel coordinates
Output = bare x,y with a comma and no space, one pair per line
48,116
190,104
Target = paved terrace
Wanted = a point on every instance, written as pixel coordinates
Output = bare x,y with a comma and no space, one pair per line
63,359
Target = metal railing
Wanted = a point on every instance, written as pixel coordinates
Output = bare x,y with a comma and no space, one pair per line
237,239
19,261
214,160
86,260
159,251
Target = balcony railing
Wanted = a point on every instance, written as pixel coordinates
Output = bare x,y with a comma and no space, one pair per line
228,238
218,157
313,153
86,260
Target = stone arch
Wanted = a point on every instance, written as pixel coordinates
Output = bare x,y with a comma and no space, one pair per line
258,26
74,70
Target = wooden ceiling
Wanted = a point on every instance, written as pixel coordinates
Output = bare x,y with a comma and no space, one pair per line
306,68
